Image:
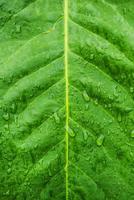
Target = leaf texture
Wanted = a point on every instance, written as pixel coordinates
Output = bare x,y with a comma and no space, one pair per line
66,100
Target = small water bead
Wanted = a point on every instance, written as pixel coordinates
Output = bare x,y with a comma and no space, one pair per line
49,172
110,121
116,94
132,134
6,127
87,106
7,192
119,117
13,108
96,101
85,95
56,117
100,140
85,135
18,28
91,56
87,158
109,105
6,116
131,89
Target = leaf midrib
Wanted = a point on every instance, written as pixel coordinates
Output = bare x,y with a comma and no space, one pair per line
66,88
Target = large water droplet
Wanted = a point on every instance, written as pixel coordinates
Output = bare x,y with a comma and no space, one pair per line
56,117
128,109
71,132
9,170
100,140
85,95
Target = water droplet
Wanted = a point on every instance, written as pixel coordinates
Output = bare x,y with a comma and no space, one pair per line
18,28
110,121
109,105
6,126
119,117
96,101
7,192
71,132
85,95
115,94
87,106
56,117
131,89
85,135
100,140
13,107
88,158
91,56
9,170
132,134
6,116
49,172
128,109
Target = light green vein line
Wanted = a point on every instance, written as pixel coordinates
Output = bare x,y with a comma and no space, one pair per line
67,88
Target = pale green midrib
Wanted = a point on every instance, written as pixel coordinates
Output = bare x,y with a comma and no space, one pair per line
67,95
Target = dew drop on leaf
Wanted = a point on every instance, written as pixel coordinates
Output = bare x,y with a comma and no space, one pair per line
119,118
18,28
132,134
56,117
6,126
131,89
91,56
71,132
100,140
85,135
96,101
87,158
85,95
6,116
49,172
128,109
87,106
109,105
7,192
13,108
9,170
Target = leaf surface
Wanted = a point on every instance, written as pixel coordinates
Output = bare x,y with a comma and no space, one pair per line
66,100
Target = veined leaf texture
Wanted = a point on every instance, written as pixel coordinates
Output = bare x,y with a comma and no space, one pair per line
66,100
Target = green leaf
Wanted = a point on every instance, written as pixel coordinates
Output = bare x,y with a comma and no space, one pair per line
66,100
